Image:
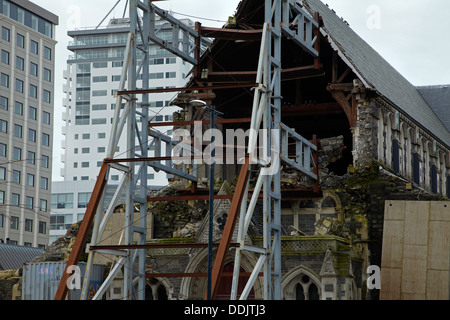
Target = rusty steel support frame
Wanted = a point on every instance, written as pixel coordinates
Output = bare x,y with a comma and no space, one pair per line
86,224
266,112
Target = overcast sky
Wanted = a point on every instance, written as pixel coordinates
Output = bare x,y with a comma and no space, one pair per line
411,35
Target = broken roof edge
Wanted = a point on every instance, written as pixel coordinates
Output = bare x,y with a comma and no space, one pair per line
409,105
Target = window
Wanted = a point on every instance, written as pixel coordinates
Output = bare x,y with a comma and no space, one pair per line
3,103
2,201
2,173
20,63
46,96
47,75
15,199
31,157
84,177
99,121
98,65
306,289
83,199
100,149
17,154
34,47
101,135
97,107
14,223
171,75
60,221
416,168
45,139
29,222
33,69
44,161
18,108
3,126
100,79
33,91
45,117
62,201
2,150
157,61
5,57
158,75
42,226
29,203
99,93
17,131
115,78
44,183
117,64
43,205
16,176
434,179
19,85
75,164
4,80
20,40
47,53
30,180
85,150
86,136
31,135
85,164
6,33
32,113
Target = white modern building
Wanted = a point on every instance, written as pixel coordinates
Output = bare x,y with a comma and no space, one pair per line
93,75
92,79
27,65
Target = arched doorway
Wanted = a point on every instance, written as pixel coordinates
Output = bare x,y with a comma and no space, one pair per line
224,289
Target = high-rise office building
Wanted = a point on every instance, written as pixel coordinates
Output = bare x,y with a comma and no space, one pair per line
92,78
27,65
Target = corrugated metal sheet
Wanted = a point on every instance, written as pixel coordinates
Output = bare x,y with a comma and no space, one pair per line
12,257
41,280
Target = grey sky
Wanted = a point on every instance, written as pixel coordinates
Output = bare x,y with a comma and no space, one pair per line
408,34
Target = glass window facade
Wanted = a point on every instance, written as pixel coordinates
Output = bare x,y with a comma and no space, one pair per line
27,18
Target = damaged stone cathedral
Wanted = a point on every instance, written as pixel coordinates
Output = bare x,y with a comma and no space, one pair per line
379,138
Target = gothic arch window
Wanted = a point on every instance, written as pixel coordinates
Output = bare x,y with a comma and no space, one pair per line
408,153
388,140
433,179
380,136
301,283
416,167
306,289
395,156
155,290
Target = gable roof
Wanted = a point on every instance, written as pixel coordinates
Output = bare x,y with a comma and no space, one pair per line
376,73
438,98
12,257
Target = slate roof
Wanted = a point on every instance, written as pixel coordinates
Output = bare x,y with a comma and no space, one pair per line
376,73
438,97
12,257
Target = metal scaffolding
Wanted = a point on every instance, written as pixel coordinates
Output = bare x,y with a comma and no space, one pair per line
283,18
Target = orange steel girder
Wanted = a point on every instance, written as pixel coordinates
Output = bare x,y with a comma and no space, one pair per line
227,233
86,224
